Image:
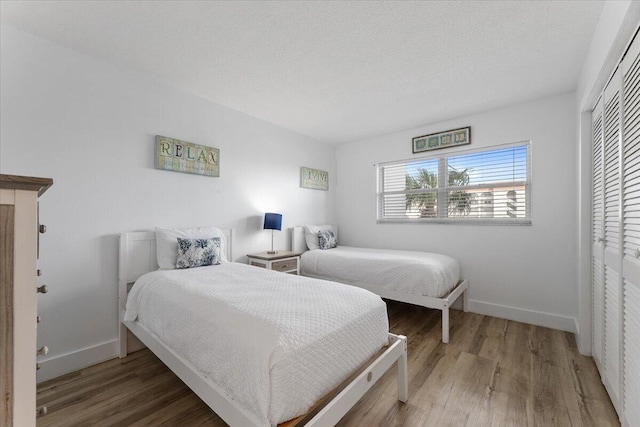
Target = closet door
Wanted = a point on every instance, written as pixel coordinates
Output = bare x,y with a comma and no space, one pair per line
612,222
631,237
597,237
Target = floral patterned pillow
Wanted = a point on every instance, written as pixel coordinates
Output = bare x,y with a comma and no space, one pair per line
327,239
198,252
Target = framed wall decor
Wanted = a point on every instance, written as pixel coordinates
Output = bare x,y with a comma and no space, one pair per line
181,156
314,179
435,141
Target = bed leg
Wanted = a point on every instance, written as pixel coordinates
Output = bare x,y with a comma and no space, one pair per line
403,375
465,300
122,336
445,325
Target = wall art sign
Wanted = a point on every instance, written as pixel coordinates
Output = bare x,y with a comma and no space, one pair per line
439,140
181,156
314,179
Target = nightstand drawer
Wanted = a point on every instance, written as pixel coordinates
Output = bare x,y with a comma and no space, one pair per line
285,265
283,261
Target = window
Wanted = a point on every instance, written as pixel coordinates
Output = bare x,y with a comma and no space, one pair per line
482,186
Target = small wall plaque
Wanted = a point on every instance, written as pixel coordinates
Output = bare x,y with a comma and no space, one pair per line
314,179
438,140
181,156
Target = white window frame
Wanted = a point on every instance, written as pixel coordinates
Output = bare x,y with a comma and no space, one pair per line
442,205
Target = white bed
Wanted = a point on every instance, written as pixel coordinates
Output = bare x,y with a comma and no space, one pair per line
427,279
242,339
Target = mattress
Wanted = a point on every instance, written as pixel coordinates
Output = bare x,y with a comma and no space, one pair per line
410,272
276,343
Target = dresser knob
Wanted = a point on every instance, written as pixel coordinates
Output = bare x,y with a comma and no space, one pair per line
42,411
43,289
38,319
38,366
38,272
43,350
42,228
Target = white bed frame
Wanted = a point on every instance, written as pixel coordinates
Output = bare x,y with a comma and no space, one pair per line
138,256
299,245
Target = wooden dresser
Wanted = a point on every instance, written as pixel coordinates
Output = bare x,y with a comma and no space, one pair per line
19,234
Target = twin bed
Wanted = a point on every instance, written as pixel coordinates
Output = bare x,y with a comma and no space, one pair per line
259,347
262,348
421,278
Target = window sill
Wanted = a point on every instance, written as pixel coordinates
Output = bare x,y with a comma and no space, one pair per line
458,221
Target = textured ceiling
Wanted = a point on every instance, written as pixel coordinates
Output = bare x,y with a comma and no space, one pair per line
336,71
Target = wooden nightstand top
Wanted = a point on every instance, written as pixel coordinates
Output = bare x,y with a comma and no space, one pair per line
270,257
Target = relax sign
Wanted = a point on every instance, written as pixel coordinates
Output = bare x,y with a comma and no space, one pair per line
181,156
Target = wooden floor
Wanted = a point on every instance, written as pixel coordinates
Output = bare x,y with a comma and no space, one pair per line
493,373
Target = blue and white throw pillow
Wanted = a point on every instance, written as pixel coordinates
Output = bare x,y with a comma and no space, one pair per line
198,252
327,239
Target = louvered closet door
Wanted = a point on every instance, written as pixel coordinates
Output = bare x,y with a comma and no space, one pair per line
612,257
597,233
631,237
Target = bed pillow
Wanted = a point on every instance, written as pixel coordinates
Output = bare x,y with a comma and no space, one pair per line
167,243
198,252
311,234
327,239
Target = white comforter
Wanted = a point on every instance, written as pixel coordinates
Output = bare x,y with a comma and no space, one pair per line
275,342
419,273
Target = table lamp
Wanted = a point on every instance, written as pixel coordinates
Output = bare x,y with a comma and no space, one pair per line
272,221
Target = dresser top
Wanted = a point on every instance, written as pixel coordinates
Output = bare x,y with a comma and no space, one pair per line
31,183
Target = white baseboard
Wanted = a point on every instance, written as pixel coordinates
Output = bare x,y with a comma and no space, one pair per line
63,364
538,318
583,340
580,342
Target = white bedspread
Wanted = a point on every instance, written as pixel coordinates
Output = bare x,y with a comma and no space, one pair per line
419,273
275,342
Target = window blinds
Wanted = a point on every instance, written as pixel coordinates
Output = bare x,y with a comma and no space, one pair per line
491,185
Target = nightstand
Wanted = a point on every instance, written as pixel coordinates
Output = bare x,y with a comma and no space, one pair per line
283,261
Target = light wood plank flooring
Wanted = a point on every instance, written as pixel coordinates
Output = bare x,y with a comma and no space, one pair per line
494,372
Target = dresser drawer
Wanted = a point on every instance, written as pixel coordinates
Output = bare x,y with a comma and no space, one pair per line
285,265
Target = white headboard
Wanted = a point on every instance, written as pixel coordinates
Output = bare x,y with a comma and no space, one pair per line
137,257
138,253
298,242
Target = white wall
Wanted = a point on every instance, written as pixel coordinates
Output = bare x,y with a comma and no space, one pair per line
618,22
525,273
91,127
